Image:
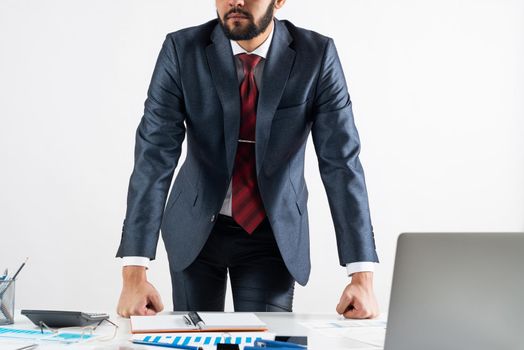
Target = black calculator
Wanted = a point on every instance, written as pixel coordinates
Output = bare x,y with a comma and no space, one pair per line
59,319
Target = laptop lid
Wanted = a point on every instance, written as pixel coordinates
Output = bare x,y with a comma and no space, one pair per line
457,291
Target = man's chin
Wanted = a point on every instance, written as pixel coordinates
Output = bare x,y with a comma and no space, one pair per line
238,27
237,33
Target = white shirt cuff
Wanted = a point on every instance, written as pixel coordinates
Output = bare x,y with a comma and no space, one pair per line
135,261
360,266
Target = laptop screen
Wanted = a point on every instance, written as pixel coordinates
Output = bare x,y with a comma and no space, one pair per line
457,291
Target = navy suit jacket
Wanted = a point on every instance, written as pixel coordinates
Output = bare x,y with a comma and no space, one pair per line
194,91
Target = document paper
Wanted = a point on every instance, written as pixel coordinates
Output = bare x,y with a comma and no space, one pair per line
207,340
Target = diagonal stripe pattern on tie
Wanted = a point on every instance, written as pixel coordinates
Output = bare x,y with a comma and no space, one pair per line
247,207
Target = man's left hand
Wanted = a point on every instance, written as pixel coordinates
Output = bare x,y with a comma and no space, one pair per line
358,299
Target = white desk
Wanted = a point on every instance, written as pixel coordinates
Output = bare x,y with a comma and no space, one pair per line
280,323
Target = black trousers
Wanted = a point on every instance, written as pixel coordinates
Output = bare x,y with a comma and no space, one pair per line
260,280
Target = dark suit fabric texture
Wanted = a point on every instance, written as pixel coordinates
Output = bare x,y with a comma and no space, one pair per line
194,93
260,280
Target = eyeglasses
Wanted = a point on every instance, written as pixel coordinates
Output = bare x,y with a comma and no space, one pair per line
78,334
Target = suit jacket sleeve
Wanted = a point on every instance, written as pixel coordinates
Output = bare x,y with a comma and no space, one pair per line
158,146
337,147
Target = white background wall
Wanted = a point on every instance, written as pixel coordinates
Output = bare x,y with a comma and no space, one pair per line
437,88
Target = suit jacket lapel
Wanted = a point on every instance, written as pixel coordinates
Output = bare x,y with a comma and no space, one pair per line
276,72
223,70
277,68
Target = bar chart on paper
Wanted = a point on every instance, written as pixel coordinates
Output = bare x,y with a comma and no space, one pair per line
30,334
205,340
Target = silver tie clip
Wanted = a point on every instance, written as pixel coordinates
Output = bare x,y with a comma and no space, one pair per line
246,141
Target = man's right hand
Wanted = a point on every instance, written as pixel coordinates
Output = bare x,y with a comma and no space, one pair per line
138,296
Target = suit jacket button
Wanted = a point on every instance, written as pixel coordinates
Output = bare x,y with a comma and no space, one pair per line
213,217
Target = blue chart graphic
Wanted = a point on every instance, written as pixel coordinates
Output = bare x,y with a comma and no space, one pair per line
203,339
45,335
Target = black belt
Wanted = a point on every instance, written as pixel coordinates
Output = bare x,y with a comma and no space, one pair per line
229,222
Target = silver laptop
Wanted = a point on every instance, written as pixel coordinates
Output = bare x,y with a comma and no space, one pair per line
457,291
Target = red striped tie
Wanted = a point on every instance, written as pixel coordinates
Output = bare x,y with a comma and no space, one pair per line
247,207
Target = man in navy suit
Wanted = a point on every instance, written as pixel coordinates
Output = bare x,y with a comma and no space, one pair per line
246,90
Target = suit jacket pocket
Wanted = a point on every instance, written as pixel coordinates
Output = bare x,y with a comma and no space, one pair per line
182,192
173,197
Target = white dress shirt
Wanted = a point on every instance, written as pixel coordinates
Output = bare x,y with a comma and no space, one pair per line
261,51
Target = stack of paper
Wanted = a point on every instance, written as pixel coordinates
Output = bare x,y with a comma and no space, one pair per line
211,322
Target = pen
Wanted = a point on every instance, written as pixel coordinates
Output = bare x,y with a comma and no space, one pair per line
278,344
196,320
28,347
168,345
8,284
268,347
19,269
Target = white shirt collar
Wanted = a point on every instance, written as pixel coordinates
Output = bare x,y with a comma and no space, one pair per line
261,51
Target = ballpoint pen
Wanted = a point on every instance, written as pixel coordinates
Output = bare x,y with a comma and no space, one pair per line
168,345
28,347
264,343
268,347
196,320
8,284
19,269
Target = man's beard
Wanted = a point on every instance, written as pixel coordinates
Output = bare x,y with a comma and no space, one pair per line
252,30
